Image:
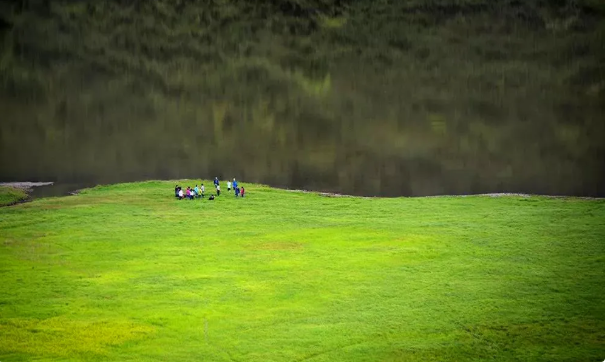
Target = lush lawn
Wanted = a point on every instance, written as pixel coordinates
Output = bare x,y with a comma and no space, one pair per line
11,195
128,273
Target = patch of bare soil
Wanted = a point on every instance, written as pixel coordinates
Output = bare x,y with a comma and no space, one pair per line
278,245
25,186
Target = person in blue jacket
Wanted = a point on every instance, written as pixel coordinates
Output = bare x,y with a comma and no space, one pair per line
234,184
215,182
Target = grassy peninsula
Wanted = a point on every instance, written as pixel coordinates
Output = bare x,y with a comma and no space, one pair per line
11,195
127,273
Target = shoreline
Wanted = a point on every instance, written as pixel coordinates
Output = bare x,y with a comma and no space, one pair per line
28,187
493,194
25,185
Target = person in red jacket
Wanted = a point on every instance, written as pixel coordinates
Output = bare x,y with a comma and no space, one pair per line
242,191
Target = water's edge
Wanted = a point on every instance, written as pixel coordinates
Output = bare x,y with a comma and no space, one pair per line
27,185
36,190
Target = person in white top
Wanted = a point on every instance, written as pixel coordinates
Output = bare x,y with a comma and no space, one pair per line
228,185
218,190
203,190
181,194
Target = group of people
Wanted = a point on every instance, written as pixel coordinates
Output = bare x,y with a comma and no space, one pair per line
238,192
189,193
198,192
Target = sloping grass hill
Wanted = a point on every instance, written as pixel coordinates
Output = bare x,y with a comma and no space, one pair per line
128,273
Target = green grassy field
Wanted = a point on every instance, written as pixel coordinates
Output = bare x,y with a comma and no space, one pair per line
11,195
128,273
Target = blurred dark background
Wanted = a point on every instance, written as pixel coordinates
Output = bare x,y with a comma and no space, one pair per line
372,97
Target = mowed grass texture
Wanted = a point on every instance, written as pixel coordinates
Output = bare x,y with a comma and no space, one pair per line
128,273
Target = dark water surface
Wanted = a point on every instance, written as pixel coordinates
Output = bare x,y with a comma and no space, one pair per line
371,98
57,189
381,157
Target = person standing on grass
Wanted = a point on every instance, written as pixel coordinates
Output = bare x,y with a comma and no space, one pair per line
218,190
215,182
228,186
243,191
203,190
234,184
197,191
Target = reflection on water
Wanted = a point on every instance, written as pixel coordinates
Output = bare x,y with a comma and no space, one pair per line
57,189
317,144
392,99
344,155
